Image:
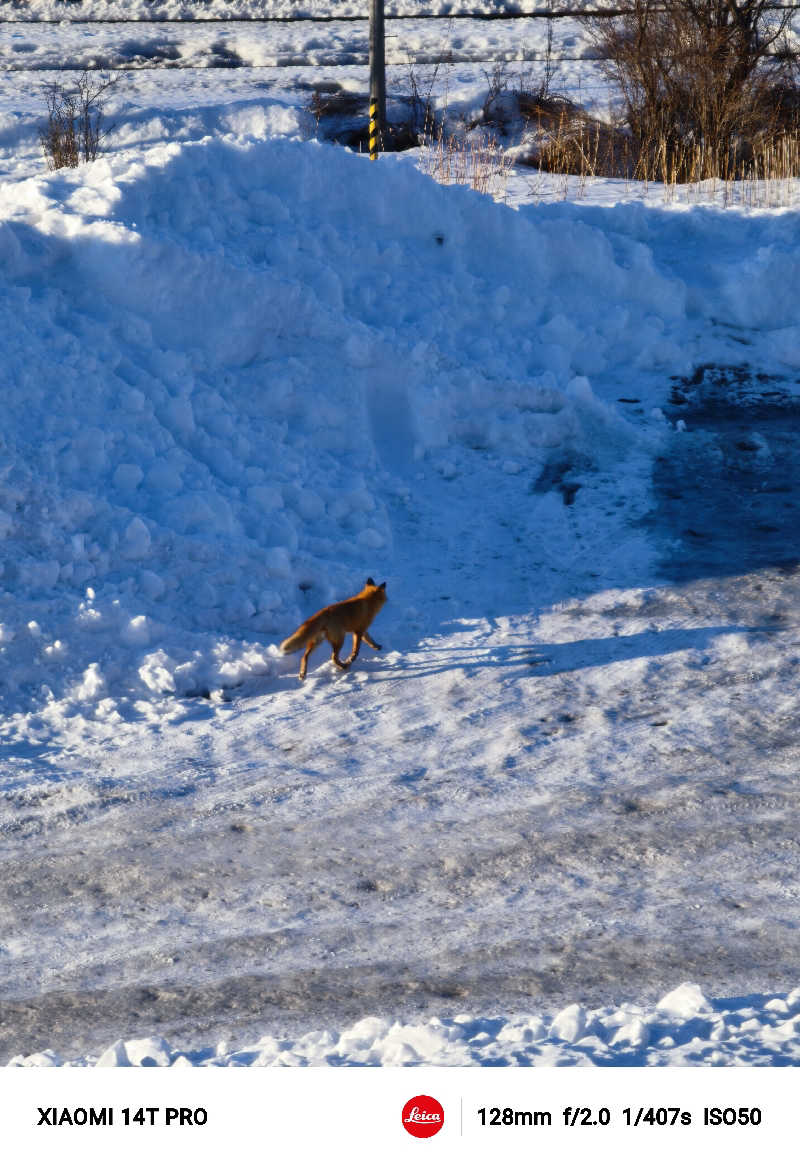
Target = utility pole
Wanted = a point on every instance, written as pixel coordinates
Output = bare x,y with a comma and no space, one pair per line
377,78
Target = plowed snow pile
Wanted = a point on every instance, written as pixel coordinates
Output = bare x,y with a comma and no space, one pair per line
219,359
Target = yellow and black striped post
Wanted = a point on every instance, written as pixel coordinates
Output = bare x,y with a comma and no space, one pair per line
377,78
373,129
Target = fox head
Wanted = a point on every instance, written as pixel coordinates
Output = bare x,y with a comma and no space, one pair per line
377,591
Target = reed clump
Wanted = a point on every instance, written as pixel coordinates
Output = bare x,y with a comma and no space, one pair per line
479,162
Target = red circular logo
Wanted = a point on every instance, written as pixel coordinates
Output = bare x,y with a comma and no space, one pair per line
423,1116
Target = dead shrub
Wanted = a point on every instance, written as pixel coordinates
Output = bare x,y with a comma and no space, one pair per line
704,82
73,131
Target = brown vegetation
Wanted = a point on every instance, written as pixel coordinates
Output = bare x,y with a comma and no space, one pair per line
74,120
707,85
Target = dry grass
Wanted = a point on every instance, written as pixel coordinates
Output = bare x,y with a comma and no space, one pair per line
563,140
571,153
479,163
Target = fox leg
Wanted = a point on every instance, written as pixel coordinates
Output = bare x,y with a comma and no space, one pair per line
312,644
304,661
337,648
371,642
356,646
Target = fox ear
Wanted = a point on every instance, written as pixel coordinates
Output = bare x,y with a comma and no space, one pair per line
382,586
370,582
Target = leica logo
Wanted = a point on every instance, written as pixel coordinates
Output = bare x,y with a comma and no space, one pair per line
423,1116
418,1115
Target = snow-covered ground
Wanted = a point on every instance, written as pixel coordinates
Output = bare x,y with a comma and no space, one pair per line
684,1029
243,370
237,44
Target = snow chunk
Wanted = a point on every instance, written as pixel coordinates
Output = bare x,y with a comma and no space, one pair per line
527,1030
136,631
158,672
309,505
92,685
570,1024
363,1035
115,1055
278,562
44,1058
152,584
127,477
137,540
688,1000
268,601
413,1043
633,1033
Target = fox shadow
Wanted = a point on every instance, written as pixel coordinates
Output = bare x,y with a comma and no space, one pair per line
535,658
547,660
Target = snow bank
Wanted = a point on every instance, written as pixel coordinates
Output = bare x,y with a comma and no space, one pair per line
220,355
684,1029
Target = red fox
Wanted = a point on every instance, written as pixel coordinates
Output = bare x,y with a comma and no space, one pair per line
354,615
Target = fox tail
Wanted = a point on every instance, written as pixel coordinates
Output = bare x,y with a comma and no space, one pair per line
299,638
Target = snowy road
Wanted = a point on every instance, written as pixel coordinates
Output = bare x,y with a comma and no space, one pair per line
596,803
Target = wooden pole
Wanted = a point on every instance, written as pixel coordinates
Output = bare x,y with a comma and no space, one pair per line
377,78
